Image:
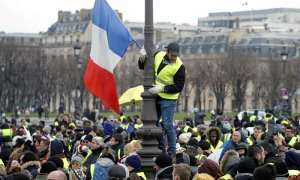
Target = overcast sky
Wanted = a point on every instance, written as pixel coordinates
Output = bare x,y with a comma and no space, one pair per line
33,16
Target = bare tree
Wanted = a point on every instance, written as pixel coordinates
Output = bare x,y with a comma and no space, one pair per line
240,71
217,78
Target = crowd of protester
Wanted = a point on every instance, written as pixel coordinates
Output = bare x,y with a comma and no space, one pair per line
107,148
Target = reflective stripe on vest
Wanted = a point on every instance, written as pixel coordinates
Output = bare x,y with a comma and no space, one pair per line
142,175
122,119
88,154
137,126
249,140
92,170
7,132
227,137
268,118
226,177
1,163
66,163
213,149
165,76
186,128
200,156
292,141
119,154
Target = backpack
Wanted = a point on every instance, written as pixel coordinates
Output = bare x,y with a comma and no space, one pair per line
101,172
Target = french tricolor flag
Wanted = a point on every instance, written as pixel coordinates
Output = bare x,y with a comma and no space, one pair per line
110,40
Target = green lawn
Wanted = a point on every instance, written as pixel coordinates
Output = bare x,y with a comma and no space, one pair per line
178,116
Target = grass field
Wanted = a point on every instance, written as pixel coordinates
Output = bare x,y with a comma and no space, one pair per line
178,115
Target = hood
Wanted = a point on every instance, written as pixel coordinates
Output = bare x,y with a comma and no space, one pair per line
219,133
229,160
105,162
31,163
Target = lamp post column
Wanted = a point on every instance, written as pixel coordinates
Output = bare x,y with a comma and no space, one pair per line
77,49
284,57
149,132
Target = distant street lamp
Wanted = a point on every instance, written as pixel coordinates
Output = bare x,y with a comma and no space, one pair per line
77,49
284,57
2,67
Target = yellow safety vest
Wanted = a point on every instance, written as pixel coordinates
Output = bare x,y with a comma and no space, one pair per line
292,141
293,172
253,118
1,163
142,175
249,140
66,163
186,128
226,177
7,132
227,137
200,156
268,118
56,123
88,154
220,143
137,126
165,76
122,119
92,170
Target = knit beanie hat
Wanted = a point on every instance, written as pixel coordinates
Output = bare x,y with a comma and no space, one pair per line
204,145
48,167
77,158
57,147
163,160
210,167
117,171
246,165
88,137
134,161
185,137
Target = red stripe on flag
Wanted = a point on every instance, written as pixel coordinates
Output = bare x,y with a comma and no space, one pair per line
101,83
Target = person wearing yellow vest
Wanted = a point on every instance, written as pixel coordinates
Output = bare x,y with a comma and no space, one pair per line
213,136
95,152
133,163
255,136
254,118
122,118
99,169
290,138
169,73
57,150
138,123
118,146
6,133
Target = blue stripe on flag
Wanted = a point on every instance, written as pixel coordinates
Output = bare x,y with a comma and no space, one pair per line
105,18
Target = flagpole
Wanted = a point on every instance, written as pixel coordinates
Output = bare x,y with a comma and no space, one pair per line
149,132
